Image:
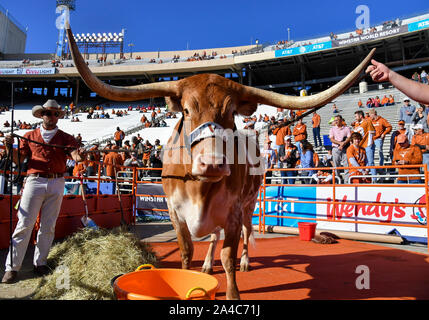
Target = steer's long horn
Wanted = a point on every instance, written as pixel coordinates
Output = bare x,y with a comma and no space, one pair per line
131,93
308,102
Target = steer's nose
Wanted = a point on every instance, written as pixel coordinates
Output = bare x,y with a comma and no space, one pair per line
211,165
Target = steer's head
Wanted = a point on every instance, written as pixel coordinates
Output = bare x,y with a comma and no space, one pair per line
208,103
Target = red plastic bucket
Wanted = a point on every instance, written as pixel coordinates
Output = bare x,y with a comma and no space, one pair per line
307,230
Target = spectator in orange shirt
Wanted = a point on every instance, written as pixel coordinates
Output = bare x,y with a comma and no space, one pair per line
79,169
109,160
385,101
119,137
280,133
147,150
356,157
421,140
316,130
406,154
393,139
382,128
367,131
300,134
360,104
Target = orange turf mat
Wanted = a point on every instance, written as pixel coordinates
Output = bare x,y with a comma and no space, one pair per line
287,268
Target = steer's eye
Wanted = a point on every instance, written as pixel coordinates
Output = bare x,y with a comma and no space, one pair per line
186,111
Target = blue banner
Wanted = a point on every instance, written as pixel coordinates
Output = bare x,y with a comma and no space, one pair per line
304,210
304,49
423,24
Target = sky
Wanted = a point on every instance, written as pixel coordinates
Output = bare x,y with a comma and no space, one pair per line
183,24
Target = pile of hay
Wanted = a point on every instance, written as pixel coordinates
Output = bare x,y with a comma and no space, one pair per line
85,264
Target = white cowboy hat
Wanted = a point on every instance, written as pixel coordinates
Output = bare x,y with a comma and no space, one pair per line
50,105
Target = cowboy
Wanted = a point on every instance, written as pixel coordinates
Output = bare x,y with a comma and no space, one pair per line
44,186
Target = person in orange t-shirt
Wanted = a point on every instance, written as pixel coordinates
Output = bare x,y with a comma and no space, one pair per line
119,136
382,128
406,154
79,168
300,134
110,159
280,133
356,157
316,130
393,139
421,140
385,101
367,131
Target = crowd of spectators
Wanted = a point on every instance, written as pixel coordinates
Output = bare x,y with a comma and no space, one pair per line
136,152
377,102
117,156
353,144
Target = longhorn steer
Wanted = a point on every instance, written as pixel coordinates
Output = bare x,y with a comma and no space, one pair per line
210,188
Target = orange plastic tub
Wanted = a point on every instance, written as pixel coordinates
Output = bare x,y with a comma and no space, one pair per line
165,284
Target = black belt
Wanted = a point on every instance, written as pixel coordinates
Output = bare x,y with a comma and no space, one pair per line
48,175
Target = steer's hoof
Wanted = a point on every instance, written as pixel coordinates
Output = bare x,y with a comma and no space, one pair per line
207,270
244,268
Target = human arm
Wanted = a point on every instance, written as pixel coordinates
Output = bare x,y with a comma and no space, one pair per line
387,129
415,90
8,143
78,155
354,163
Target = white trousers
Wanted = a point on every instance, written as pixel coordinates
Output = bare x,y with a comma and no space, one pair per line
39,194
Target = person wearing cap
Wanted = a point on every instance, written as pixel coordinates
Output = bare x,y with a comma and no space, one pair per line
382,128
288,157
270,158
393,138
406,112
315,120
406,154
421,140
44,186
381,73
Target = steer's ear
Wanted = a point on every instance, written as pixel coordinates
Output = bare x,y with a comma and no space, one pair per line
174,104
246,108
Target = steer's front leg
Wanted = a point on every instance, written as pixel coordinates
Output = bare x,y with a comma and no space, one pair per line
229,257
184,239
209,260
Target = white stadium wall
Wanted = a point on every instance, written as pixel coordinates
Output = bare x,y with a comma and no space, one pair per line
12,37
